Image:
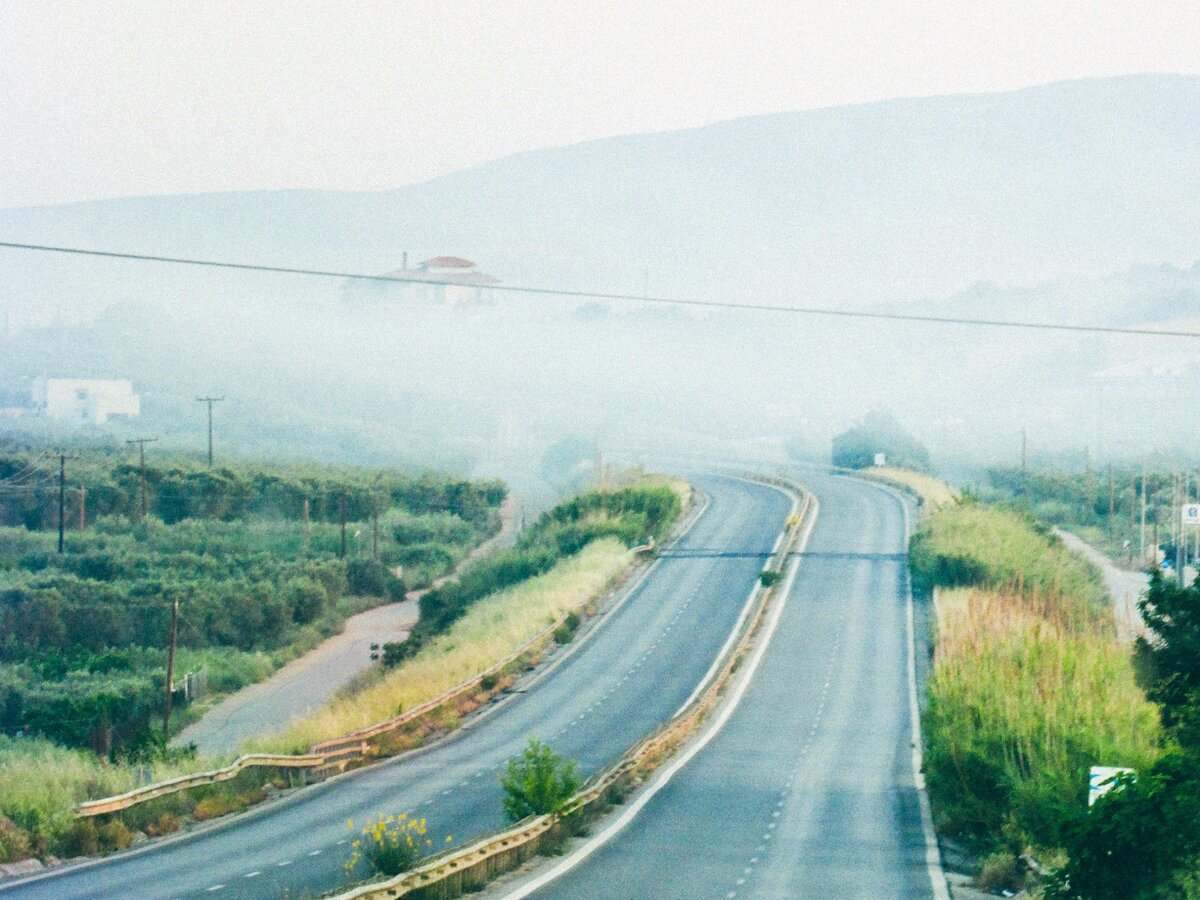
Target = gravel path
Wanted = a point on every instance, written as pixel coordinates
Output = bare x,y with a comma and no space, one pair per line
309,682
1125,587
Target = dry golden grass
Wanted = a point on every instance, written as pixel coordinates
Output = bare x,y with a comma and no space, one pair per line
933,491
1019,683
491,630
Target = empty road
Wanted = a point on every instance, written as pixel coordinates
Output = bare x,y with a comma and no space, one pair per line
808,790
631,676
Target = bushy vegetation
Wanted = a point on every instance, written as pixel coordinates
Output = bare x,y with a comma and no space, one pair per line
879,432
180,488
1025,698
389,845
1079,502
537,782
83,633
632,515
1029,688
973,544
1142,840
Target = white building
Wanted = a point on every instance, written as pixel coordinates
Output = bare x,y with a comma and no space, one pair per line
456,281
84,399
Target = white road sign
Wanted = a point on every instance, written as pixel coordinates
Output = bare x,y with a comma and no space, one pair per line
1190,513
1100,780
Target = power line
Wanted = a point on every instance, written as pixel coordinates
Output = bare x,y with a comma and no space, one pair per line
601,295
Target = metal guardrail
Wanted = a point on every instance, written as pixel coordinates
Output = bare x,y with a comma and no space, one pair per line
479,861
333,753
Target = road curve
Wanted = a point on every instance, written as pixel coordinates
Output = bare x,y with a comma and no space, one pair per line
808,790
630,677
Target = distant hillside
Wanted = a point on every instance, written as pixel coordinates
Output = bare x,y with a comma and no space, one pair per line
881,202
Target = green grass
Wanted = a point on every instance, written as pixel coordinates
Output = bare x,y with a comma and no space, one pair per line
972,544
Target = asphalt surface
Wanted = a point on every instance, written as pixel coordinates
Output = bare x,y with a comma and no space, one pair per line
808,790
631,676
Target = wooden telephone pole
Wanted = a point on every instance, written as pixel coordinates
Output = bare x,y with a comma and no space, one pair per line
62,499
171,668
142,442
210,401
342,517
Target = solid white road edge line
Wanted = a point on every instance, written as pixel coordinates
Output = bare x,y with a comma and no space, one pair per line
668,773
933,853
719,660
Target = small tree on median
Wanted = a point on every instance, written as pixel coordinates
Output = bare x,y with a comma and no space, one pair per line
537,782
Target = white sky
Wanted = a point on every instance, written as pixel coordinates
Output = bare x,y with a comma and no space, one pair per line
128,97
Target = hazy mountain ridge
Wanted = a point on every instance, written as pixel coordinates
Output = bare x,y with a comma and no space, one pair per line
881,202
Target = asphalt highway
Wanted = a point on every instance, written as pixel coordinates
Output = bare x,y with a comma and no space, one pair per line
807,791
632,675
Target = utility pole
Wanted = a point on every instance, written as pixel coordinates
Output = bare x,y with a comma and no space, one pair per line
1143,529
171,667
374,530
142,442
1024,454
1112,500
307,528
1089,487
62,499
210,401
82,507
1178,528
342,517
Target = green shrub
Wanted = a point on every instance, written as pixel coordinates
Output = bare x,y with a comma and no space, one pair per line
14,842
537,782
81,839
165,824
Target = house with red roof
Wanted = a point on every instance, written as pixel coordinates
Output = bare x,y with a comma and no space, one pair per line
449,280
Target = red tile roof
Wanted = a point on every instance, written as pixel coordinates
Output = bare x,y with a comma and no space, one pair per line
448,262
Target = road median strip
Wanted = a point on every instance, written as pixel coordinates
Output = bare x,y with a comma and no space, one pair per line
454,872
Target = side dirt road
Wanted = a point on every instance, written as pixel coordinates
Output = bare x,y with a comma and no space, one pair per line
309,682
1125,587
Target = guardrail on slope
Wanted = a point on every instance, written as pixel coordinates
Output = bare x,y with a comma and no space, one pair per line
453,872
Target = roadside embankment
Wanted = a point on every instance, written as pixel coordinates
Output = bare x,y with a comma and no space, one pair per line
1030,687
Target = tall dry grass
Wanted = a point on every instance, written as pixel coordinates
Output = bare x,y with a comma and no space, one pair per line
490,630
933,491
1022,702
40,783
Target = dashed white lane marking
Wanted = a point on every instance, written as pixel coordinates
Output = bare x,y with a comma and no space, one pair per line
252,874
427,803
286,862
215,887
314,852
342,842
